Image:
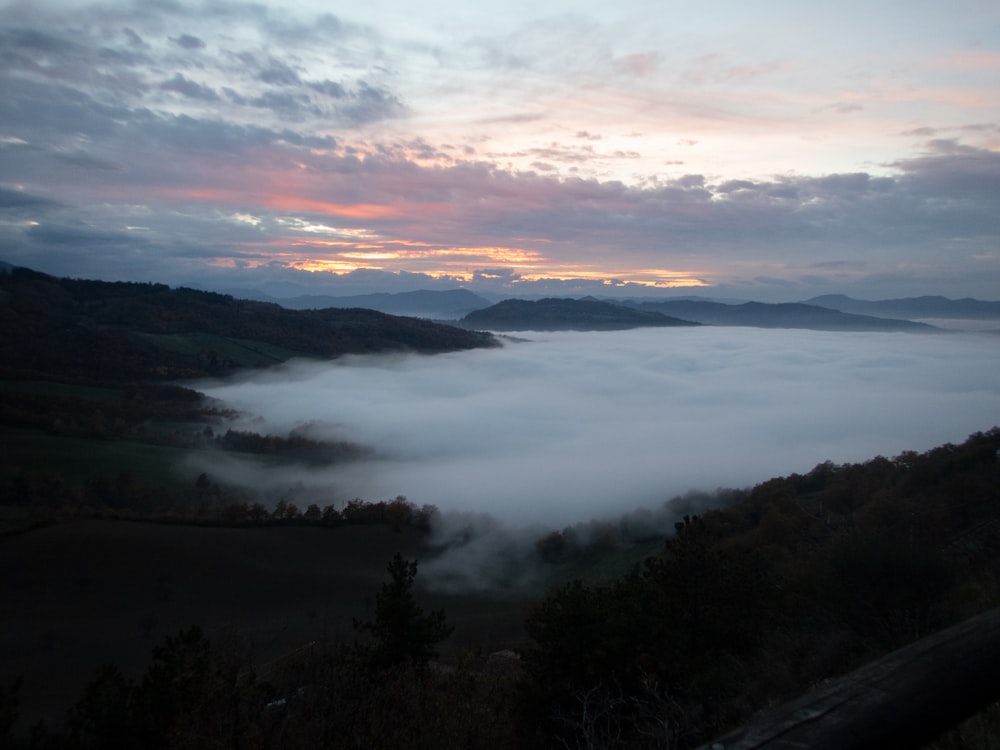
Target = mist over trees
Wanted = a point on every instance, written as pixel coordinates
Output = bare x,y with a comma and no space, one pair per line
656,625
802,578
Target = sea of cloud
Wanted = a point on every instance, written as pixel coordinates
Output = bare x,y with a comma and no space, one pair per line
556,428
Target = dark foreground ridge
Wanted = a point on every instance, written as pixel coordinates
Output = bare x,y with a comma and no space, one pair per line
121,331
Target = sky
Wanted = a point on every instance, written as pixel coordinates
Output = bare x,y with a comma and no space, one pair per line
567,426
770,151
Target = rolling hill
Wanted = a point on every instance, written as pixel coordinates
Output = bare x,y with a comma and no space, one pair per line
553,314
130,331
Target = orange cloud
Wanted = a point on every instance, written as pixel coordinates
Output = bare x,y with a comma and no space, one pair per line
328,266
653,277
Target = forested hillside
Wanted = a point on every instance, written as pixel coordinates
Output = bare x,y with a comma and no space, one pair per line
114,331
803,578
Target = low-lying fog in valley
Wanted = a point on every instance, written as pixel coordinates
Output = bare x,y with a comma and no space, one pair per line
561,427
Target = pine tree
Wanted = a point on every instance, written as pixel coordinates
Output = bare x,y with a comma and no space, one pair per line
402,632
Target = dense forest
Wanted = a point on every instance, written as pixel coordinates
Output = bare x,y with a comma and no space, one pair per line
800,579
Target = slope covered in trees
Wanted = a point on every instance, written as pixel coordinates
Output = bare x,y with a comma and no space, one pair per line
114,331
802,578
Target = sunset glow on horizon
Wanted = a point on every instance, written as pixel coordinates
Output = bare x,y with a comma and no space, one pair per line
773,153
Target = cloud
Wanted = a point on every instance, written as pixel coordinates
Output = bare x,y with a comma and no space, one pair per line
280,112
846,107
186,87
566,427
278,73
371,104
203,166
950,168
88,161
189,42
20,200
80,235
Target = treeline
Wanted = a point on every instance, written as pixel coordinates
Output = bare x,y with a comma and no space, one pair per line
296,446
46,496
397,513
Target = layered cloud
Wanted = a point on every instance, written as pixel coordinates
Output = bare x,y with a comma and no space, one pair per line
567,426
202,141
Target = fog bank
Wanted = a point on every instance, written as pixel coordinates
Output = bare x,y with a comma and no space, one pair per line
567,426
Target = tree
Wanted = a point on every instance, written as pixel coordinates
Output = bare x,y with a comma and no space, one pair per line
174,684
402,632
104,716
10,701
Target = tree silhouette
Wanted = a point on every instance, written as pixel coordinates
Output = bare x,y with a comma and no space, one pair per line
402,632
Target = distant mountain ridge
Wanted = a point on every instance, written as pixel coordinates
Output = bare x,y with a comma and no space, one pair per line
912,307
887,315
780,315
445,304
557,314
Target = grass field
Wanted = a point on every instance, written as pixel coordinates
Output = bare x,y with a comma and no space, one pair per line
80,593
79,459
